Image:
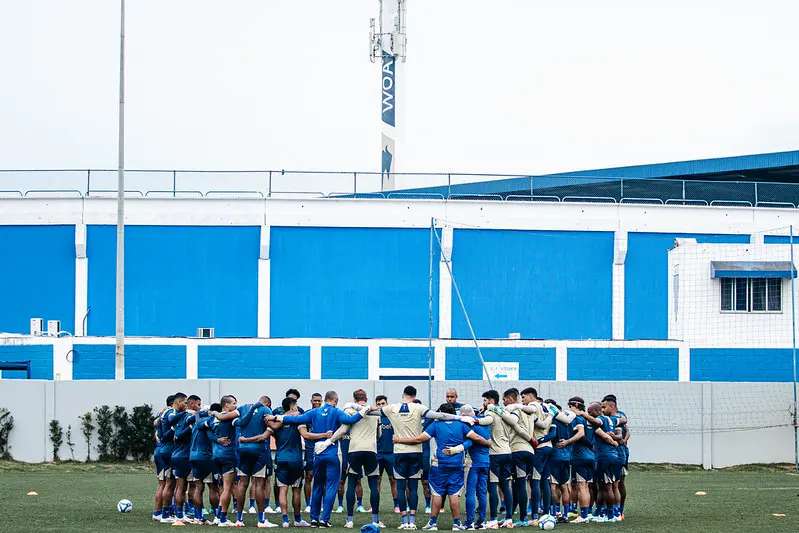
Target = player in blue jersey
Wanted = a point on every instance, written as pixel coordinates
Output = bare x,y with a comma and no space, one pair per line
476,475
327,468
624,450
560,468
316,401
180,422
225,453
202,463
290,393
255,460
193,403
385,450
446,473
583,458
607,464
162,457
452,398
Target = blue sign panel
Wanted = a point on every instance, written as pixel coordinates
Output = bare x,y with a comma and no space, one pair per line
388,84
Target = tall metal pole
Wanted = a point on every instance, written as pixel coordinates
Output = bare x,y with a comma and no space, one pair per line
430,315
120,274
793,357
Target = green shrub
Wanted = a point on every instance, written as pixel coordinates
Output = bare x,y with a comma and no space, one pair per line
87,428
6,425
105,432
142,438
120,443
56,438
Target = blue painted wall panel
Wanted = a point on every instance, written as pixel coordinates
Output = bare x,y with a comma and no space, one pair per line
146,361
254,362
646,281
350,282
93,361
40,356
345,362
38,269
534,363
176,280
741,364
404,357
623,364
780,239
542,284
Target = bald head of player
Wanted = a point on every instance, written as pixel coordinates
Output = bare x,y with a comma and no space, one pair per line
594,409
331,397
467,410
452,396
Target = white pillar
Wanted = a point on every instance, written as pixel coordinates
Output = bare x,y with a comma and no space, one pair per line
561,362
440,357
192,365
316,361
374,361
81,280
619,259
445,285
63,356
263,284
684,358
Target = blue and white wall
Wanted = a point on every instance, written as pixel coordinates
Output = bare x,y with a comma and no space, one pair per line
333,289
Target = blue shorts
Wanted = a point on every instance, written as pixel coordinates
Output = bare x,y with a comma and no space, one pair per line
225,465
522,464
446,481
362,464
203,470
253,463
289,474
408,465
163,464
583,471
541,462
559,471
181,468
608,471
500,467
386,464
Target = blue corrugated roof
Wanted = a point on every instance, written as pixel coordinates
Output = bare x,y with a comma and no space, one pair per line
683,169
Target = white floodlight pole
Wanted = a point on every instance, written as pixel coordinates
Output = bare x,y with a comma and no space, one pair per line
388,46
119,359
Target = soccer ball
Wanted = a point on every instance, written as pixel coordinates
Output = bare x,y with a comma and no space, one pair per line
547,522
125,506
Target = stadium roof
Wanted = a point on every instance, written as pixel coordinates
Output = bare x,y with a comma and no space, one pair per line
657,181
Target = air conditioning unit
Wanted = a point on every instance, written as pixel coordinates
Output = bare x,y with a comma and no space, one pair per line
37,324
53,327
514,335
205,333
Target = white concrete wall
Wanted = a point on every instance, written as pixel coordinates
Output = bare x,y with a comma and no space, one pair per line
698,319
685,423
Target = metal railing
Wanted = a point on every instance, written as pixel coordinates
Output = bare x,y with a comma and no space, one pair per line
258,184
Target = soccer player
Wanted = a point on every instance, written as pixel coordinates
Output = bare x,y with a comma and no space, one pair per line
500,461
477,475
291,393
607,462
385,450
255,459
624,450
446,473
327,468
362,457
544,433
583,458
316,401
452,399
193,403
225,453
560,467
180,421
406,418
163,463
202,464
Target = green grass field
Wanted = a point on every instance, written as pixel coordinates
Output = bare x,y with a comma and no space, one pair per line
76,497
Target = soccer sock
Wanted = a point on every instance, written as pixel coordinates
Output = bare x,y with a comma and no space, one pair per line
616,511
260,517
396,502
621,509
297,517
240,516
252,502
413,495
360,501
219,511
285,518
411,518
375,518
340,500
349,517
427,501
266,502
456,521
179,512
433,520
584,512
223,517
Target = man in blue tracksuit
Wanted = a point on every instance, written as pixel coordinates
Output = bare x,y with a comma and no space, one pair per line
327,468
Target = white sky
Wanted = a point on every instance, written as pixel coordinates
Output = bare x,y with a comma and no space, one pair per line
513,86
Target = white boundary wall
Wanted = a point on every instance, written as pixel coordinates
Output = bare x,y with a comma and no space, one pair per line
684,423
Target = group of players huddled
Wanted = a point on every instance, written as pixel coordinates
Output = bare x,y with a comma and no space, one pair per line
573,460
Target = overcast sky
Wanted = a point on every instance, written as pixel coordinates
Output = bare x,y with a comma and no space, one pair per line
490,86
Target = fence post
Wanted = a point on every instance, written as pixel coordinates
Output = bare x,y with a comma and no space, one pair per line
449,185
621,189
355,184
755,194
88,181
269,185
174,181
